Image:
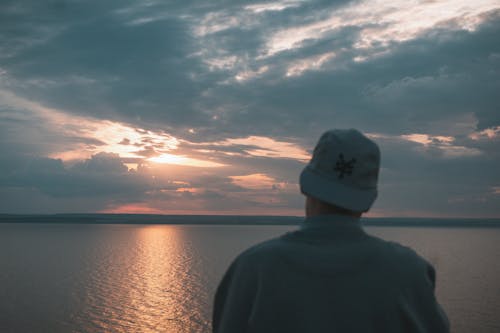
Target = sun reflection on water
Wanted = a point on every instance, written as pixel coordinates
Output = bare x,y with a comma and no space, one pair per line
147,284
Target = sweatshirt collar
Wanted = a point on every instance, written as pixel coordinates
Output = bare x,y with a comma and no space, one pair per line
331,221
328,228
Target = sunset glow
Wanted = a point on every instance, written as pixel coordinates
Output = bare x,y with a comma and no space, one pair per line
268,147
183,160
427,139
255,181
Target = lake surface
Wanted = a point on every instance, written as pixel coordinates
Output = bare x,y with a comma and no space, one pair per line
161,278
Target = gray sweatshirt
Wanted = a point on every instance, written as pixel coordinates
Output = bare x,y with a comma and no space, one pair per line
328,276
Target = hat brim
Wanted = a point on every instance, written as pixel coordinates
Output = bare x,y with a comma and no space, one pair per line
336,193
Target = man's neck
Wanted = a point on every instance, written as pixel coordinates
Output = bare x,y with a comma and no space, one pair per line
316,207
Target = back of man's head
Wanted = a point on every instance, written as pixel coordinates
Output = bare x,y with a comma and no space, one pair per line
343,171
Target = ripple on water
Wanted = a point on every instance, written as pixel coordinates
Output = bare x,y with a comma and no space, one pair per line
146,283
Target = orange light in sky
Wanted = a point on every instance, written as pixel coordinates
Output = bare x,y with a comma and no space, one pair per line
183,160
426,139
254,181
268,147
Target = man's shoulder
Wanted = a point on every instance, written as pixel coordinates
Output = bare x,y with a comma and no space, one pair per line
264,253
263,249
400,257
397,250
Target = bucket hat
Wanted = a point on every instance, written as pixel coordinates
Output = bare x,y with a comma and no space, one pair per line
343,170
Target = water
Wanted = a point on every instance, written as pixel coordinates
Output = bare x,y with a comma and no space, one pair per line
161,278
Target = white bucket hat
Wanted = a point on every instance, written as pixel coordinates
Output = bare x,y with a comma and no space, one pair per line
343,170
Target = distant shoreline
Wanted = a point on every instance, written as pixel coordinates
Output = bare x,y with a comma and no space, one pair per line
236,220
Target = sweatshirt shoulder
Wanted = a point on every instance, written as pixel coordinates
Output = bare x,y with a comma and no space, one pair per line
401,257
263,251
395,249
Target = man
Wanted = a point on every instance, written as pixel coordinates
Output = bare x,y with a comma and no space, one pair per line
330,276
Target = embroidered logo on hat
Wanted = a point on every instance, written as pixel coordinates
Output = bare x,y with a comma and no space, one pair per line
344,168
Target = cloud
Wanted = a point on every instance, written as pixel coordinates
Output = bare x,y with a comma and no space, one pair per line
99,65
441,145
183,160
101,175
256,181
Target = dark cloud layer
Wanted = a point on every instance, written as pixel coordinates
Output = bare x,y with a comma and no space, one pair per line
421,82
102,175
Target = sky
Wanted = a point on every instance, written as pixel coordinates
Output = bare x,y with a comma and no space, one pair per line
214,107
